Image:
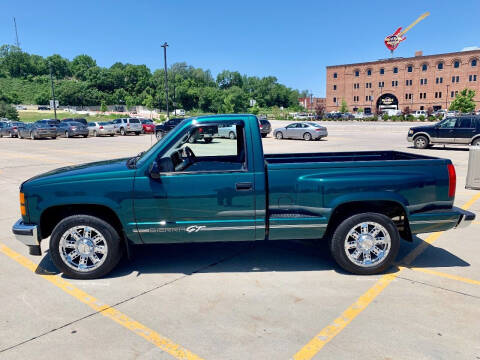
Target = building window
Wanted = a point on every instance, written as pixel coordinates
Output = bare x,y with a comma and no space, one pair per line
438,95
357,73
334,87
369,72
439,80
423,95
456,64
455,79
395,70
424,67
472,77
408,82
368,85
381,84
408,96
395,83
334,75
410,68
440,66
452,94
382,71
335,100
474,62
423,81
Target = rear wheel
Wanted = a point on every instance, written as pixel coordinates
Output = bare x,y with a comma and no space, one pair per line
85,247
231,135
159,135
365,243
67,134
307,136
207,140
264,135
279,135
32,136
123,132
95,133
137,133
421,142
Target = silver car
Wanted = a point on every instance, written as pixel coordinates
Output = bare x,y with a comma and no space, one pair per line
226,131
124,126
301,130
101,128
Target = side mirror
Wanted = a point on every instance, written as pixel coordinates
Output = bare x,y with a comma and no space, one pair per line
159,166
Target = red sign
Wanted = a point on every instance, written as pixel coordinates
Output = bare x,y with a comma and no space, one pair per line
392,41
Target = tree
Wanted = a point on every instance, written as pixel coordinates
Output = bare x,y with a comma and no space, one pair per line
344,106
103,106
464,102
8,111
60,66
80,64
320,109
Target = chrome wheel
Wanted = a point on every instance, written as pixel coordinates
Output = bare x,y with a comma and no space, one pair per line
83,248
367,244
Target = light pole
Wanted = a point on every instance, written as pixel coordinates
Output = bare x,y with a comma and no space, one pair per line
165,45
446,98
53,93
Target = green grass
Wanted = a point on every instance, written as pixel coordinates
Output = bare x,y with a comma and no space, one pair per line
29,116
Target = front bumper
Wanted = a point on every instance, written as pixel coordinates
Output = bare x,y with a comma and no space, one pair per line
410,138
27,234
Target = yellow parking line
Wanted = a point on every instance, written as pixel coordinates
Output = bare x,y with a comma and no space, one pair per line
476,222
165,344
336,326
445,275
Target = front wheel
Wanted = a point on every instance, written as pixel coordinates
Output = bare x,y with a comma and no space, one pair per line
85,247
279,135
365,244
476,142
421,142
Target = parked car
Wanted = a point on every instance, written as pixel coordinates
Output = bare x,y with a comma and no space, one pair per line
101,128
362,203
179,112
301,130
147,126
10,129
126,126
162,129
334,115
463,130
38,130
418,113
347,116
227,131
3,124
265,127
80,120
43,107
21,107
72,129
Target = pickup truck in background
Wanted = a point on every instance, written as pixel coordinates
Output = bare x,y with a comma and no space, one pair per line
178,191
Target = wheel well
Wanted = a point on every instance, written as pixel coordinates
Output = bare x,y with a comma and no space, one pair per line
392,209
421,134
52,216
475,138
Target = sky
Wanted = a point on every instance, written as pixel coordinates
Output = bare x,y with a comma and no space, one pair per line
292,40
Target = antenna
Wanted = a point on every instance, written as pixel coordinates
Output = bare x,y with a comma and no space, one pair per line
16,33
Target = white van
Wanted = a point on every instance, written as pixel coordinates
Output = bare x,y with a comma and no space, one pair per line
419,113
179,112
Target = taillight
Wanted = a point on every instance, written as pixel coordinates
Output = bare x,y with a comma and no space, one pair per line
452,180
101,127
200,130
14,128
318,129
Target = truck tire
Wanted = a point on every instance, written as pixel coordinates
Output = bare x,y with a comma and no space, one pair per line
421,142
137,133
476,142
207,140
279,135
307,136
264,135
85,247
365,244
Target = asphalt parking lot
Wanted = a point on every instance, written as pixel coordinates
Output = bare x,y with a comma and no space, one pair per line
265,300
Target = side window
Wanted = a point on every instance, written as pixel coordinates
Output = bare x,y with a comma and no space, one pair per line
199,150
464,123
448,123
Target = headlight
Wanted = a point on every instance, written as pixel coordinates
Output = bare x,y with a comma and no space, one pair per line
410,132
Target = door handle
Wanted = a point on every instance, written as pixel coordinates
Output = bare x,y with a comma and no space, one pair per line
244,186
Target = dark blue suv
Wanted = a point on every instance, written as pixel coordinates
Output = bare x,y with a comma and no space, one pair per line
464,129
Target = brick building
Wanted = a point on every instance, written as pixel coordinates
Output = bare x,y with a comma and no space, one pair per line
312,103
419,82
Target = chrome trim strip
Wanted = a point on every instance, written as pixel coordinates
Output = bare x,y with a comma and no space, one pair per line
25,233
433,222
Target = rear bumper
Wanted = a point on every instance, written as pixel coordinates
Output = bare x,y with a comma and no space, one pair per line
440,220
27,234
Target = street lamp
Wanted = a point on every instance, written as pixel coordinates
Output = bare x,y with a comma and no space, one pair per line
165,45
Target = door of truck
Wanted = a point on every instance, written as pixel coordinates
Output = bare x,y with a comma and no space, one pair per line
212,199
445,131
465,130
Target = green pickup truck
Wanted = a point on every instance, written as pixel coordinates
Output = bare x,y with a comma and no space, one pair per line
180,191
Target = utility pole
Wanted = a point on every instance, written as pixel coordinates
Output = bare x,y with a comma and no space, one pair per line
16,33
165,45
53,93
311,101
